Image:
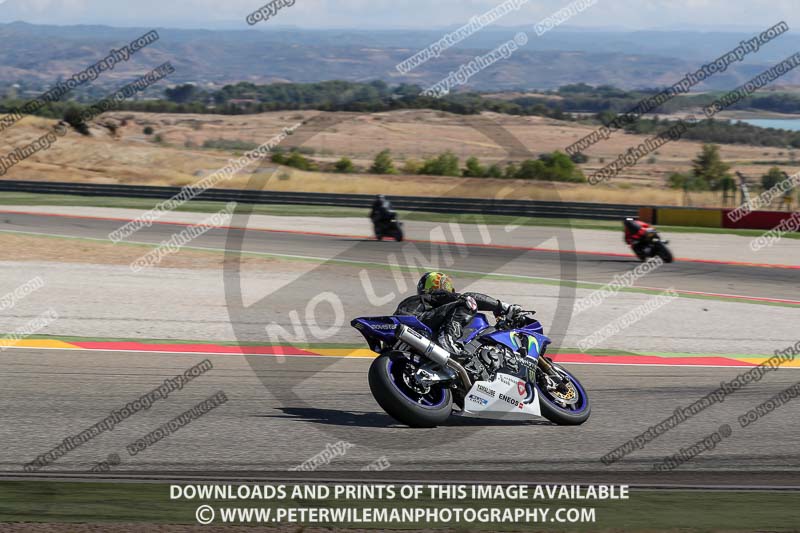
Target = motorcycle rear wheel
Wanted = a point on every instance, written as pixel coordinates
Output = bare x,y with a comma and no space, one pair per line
397,396
663,252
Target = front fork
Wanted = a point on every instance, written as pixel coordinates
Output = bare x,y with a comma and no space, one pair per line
561,384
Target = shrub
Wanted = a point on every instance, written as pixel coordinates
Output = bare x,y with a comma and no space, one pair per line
555,166
771,178
411,166
445,164
579,158
345,166
383,163
296,160
494,171
474,168
72,116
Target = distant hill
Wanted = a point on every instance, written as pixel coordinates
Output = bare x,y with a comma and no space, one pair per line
40,55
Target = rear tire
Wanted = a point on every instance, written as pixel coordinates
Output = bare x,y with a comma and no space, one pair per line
663,252
397,404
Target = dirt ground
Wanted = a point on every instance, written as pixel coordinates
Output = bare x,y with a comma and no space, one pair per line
128,156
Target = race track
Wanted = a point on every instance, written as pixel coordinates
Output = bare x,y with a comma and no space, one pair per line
282,411
265,430
711,277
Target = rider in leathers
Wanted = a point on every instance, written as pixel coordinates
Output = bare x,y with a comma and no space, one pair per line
381,210
447,312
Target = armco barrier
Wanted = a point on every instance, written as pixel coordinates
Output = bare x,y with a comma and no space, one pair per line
513,208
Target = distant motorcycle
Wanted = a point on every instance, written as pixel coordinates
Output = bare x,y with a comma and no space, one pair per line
651,245
389,227
419,384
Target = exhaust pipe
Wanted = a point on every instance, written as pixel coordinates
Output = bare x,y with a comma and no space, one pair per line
462,373
432,351
423,345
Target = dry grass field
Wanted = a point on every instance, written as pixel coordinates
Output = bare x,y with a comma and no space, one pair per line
128,156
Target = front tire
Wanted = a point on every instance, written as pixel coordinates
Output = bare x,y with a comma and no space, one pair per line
573,415
400,400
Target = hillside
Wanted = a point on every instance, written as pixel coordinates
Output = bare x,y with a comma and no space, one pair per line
131,157
36,55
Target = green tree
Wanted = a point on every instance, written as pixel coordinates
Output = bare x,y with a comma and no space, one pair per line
148,130
530,169
383,163
181,94
474,168
511,171
686,182
345,166
73,116
494,171
445,164
709,167
556,166
771,178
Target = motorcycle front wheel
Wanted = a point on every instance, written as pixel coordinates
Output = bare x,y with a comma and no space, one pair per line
391,380
566,407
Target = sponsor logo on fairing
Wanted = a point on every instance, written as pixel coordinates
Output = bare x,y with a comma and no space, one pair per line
522,389
486,390
478,399
506,380
511,400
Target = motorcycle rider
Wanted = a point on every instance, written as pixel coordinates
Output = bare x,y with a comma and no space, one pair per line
446,312
382,211
634,231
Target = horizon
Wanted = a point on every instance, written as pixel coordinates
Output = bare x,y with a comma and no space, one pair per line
382,15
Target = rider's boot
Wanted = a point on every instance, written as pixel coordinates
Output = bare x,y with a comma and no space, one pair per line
448,339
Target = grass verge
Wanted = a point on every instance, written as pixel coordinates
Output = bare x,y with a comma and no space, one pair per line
646,510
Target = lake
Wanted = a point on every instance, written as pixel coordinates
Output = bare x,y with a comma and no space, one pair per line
792,124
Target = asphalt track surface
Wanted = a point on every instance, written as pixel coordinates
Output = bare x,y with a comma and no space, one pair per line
281,411
715,278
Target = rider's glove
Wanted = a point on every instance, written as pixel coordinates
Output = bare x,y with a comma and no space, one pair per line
509,310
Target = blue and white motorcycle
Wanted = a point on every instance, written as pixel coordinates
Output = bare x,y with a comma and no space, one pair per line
504,373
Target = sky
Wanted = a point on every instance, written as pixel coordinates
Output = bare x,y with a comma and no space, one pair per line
402,14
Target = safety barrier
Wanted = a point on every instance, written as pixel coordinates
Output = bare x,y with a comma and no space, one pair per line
514,208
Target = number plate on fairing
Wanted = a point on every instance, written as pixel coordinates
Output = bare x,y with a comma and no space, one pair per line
506,394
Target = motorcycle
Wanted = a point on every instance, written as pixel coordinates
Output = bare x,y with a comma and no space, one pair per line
651,245
419,384
390,227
